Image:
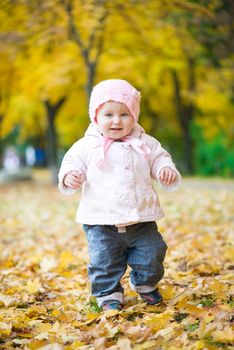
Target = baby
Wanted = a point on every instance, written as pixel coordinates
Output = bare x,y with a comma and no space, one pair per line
115,164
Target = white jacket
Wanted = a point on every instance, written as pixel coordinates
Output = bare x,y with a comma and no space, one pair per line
122,193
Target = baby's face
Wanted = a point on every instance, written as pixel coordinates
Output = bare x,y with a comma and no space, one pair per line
114,120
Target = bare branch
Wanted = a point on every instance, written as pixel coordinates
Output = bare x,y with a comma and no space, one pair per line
98,28
73,30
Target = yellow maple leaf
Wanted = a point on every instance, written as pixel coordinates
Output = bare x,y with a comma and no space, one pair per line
52,346
36,310
158,322
66,258
200,345
124,344
5,329
194,310
168,291
108,331
83,323
224,336
43,327
56,313
42,336
110,313
75,345
34,286
218,286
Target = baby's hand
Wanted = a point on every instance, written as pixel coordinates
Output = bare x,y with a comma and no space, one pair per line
167,176
73,179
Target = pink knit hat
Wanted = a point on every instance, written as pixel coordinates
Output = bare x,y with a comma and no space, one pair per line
115,90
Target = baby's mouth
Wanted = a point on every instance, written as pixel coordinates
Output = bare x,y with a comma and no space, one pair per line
116,129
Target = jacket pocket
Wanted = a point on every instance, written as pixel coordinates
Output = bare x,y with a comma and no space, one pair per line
148,200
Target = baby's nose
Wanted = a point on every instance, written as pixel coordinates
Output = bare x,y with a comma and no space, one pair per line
116,119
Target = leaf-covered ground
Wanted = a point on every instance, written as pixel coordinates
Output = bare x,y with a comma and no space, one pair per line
44,289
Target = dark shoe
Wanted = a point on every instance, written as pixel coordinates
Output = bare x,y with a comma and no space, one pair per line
152,298
111,305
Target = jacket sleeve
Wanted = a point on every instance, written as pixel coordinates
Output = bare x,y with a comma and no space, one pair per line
73,160
160,159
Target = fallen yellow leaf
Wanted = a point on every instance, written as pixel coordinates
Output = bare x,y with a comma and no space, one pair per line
33,287
159,321
5,329
83,323
225,336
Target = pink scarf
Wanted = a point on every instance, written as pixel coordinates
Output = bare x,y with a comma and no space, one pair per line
138,145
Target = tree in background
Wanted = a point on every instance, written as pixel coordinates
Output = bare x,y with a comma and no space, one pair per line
49,65
209,73
90,47
161,46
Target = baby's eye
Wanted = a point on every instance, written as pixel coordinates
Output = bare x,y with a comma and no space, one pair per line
108,115
124,115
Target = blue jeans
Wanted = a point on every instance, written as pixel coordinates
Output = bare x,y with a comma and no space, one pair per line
141,247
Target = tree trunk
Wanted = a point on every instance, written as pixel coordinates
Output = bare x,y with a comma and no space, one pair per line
91,73
185,115
152,115
1,142
94,42
52,144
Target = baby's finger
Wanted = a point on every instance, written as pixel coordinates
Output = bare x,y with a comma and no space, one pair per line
162,174
169,178
74,185
69,180
174,176
167,174
75,174
75,180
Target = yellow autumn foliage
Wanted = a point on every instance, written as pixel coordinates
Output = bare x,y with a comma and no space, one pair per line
141,42
44,295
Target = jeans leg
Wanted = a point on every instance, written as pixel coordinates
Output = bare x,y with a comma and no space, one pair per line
108,259
145,256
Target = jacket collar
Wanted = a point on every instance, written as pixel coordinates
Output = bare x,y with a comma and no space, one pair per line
92,130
